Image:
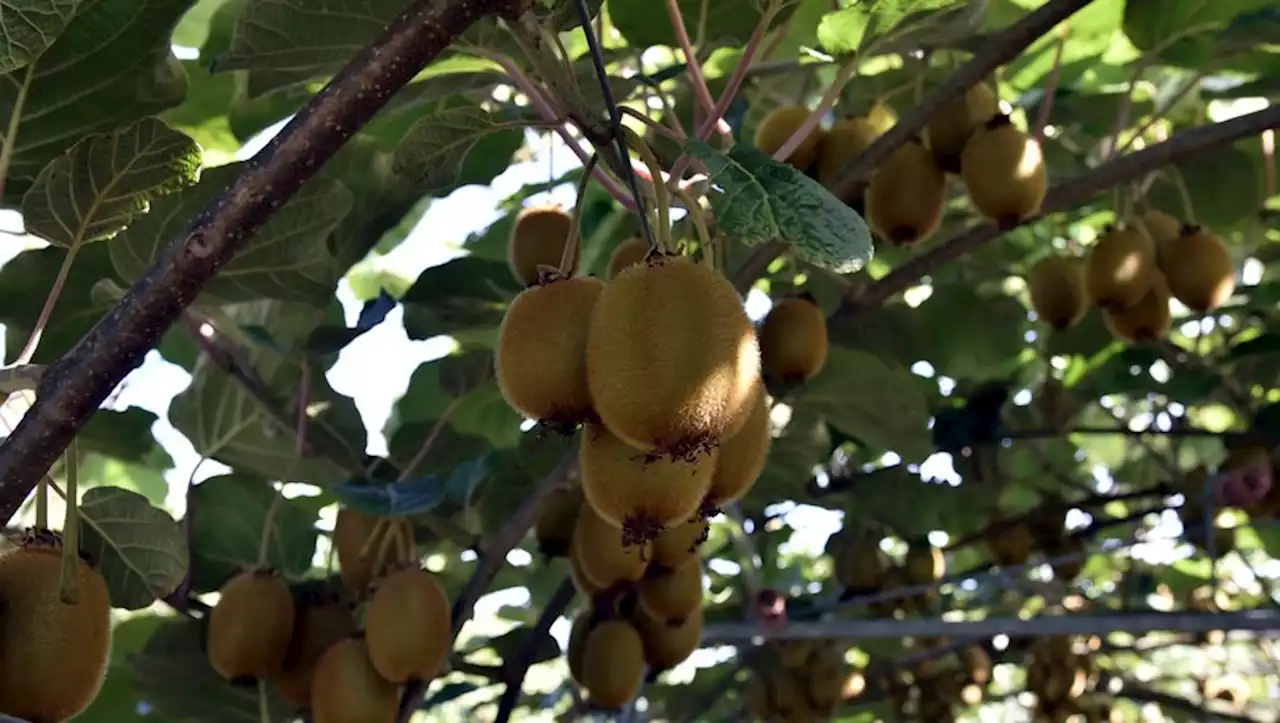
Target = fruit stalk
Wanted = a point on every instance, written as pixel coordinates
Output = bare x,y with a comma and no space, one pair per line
75,385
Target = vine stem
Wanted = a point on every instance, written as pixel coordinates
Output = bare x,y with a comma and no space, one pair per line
845,74
694,68
1051,90
73,387
46,311
15,121
514,670
68,588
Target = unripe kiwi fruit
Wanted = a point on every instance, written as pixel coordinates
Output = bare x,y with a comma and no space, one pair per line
924,563
673,596
53,655
859,564
407,626
742,458
1003,172
603,557
779,125
348,689
627,254
249,628
793,340
949,130
1198,269
583,622
678,543
637,493
1119,268
843,142
672,357
554,529
1011,544
613,664
1069,569
907,195
321,621
1147,320
540,361
351,536
1056,286
666,646
585,586
537,239
1162,228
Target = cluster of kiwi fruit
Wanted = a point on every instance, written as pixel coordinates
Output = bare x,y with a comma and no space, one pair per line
1001,167
53,653
862,568
939,687
1132,272
800,681
309,641
642,603
1060,671
1013,542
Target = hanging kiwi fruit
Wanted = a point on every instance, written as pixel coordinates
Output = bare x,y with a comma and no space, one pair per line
1056,287
1147,320
843,142
1003,172
906,195
793,340
250,627
407,626
777,127
1120,268
537,239
949,130
1198,268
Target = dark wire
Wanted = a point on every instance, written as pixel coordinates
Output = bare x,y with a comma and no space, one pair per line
615,119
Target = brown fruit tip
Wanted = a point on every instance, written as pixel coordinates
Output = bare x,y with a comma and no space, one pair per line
554,548
640,530
805,296
902,234
1189,229
999,121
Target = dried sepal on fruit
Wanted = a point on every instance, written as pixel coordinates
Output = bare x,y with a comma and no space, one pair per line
537,239
601,555
53,654
672,357
250,626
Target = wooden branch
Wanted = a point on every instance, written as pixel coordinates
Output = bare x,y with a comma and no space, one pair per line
1062,197
1257,621
73,387
514,670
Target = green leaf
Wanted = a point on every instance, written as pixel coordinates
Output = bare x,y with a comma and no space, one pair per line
804,444
24,284
110,67
30,27
125,435
511,645
227,516
865,398
173,674
140,549
642,23
912,507
1182,31
435,149
840,32
563,14
1226,188
105,181
761,199
466,294
287,259
465,383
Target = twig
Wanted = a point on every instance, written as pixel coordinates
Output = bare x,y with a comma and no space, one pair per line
1051,90
514,670
75,385
1064,196
693,68
1257,621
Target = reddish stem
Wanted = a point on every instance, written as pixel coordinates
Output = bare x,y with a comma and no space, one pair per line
1046,107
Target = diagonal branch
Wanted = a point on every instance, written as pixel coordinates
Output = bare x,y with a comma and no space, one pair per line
515,669
74,386
1062,197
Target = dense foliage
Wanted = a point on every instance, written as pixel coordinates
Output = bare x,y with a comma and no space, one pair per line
959,442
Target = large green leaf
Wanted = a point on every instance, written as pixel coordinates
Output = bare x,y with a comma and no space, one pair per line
643,23
1182,31
25,282
228,514
110,67
466,383
140,549
106,181
287,259
30,27
434,150
468,294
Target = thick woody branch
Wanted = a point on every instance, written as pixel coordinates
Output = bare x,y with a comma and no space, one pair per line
73,388
1063,197
515,669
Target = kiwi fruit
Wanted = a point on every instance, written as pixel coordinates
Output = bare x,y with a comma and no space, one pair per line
1011,544
673,596
948,132
585,586
540,360
882,116
250,627
348,689
742,458
554,528
976,664
1003,172
843,142
627,254
318,624
613,664
924,563
636,493
1147,320
537,239
351,533
53,655
602,557
1056,286
777,127
1119,268
860,566
907,195
1198,269
582,625
678,543
666,645
1162,228
407,626
793,340
672,357
1068,570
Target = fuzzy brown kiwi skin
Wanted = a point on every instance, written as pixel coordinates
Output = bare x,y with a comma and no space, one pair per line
348,688
351,532
778,126
407,626
628,253
323,619
906,196
53,655
951,127
1148,320
613,664
1120,267
1056,287
678,543
840,145
249,628
793,341
554,529
537,239
1003,172
1198,269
